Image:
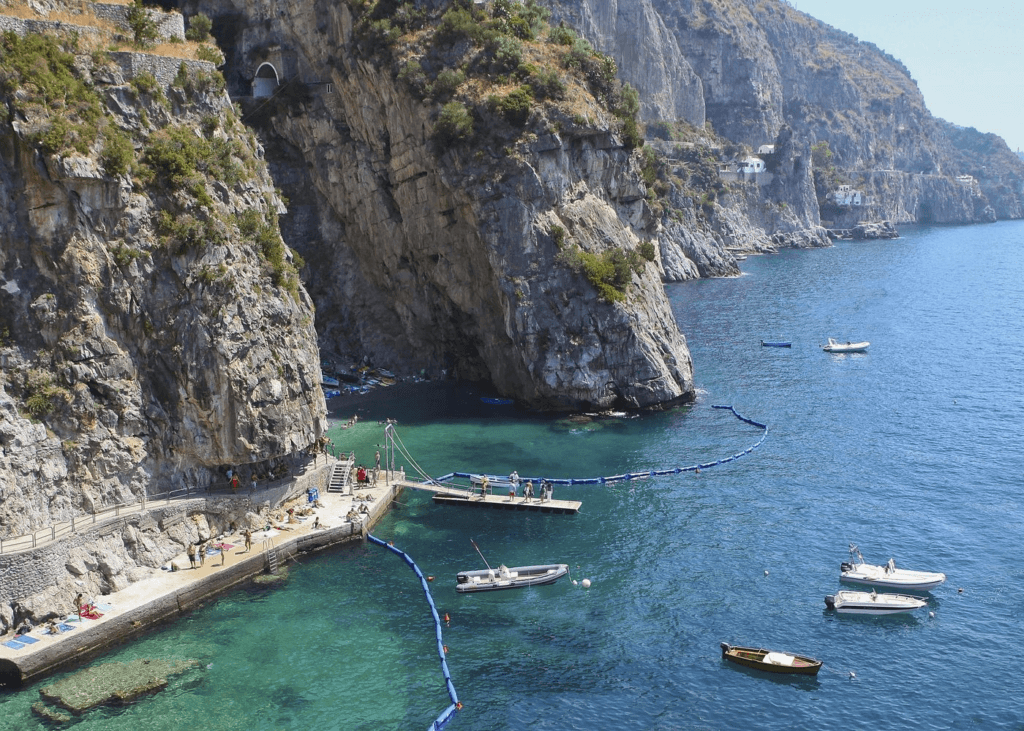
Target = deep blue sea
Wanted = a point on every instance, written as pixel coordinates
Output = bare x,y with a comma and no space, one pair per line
912,450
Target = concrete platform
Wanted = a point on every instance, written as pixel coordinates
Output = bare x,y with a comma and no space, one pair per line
167,595
467,497
518,504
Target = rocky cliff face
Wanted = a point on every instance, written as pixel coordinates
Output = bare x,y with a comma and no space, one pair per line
450,260
152,329
763,64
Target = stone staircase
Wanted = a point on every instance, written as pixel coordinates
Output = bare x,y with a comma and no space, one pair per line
341,473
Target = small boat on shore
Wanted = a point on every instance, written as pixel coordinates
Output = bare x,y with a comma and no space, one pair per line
889,576
872,603
834,346
326,380
776,344
771,662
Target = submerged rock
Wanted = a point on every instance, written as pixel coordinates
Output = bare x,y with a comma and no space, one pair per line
112,683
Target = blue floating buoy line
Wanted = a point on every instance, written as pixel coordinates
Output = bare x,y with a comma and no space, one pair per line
636,475
449,713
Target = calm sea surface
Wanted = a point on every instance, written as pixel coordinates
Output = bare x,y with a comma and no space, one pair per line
912,451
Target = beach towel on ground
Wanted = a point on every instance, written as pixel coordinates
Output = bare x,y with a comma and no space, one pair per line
14,645
65,627
26,640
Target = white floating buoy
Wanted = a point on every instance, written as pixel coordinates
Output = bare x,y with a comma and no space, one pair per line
575,583
586,583
852,675
766,572
931,614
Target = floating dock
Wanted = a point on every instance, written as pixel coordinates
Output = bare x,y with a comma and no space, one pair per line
446,494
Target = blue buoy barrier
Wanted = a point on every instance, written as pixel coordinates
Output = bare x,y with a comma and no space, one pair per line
635,475
446,716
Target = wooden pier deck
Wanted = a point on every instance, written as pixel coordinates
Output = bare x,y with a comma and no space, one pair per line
445,494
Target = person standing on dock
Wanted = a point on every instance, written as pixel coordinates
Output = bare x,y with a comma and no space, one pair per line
484,484
511,490
248,540
528,492
191,554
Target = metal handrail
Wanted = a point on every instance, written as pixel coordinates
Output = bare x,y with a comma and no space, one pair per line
42,536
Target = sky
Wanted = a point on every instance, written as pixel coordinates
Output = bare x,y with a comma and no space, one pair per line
966,57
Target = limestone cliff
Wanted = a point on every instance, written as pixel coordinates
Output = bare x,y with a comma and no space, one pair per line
468,258
763,65
152,327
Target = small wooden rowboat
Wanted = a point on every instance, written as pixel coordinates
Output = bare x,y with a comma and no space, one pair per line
772,662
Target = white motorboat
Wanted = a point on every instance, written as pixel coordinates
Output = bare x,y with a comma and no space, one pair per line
834,346
503,577
873,603
856,571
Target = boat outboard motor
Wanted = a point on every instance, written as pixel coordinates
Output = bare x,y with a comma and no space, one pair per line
461,578
830,601
846,566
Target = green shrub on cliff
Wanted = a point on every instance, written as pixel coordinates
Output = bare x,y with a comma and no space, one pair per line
453,124
41,82
199,27
515,106
143,27
610,272
118,152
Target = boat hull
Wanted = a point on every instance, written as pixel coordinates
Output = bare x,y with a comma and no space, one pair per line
755,658
834,347
872,604
889,577
897,585
518,577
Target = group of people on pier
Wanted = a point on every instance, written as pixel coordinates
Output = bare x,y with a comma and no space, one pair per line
513,488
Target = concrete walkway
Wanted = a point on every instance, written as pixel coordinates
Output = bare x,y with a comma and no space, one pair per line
166,595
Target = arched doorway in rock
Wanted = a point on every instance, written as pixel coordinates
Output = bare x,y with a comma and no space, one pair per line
266,81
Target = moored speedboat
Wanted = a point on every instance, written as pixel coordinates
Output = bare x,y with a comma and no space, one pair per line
834,346
886,577
872,603
771,662
503,577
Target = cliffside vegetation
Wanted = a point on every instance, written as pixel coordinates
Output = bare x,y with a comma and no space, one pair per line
140,220
498,74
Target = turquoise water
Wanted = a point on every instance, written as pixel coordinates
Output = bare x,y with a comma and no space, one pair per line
911,450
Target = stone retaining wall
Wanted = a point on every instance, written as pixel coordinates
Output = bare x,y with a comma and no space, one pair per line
164,68
26,573
168,25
